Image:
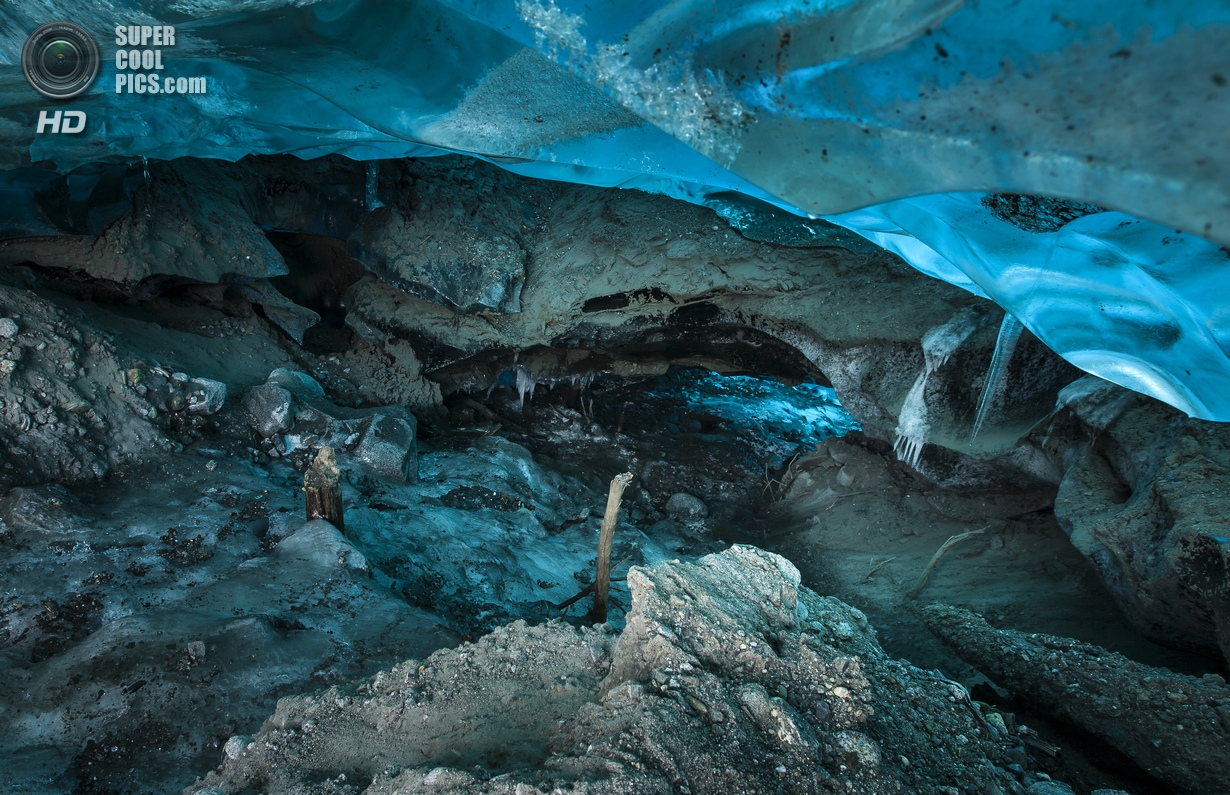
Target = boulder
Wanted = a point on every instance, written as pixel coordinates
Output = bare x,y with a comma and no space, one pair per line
271,409
189,223
387,446
292,318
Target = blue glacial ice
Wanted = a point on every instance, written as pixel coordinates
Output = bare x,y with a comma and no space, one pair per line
906,121
782,419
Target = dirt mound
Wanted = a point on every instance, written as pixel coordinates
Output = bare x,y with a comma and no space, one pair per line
728,677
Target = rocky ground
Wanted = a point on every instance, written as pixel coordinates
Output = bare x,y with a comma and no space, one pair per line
728,676
166,379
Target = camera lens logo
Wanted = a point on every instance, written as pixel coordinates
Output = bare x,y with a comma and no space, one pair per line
60,59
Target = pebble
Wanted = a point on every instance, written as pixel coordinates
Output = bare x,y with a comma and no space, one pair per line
8,327
686,506
236,746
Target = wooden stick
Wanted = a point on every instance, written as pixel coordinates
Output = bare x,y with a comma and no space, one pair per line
879,566
322,489
953,540
602,576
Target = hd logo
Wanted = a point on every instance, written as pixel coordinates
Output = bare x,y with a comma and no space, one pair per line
60,60
61,121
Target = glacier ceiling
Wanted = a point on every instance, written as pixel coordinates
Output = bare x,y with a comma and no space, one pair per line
916,123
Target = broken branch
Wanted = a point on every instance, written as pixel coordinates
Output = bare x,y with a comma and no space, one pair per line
952,541
602,576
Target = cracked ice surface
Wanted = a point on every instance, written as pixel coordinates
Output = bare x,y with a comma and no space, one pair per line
881,115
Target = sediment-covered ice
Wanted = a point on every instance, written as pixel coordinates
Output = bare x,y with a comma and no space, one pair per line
882,116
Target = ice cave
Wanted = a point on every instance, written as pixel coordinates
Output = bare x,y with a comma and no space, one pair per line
530,397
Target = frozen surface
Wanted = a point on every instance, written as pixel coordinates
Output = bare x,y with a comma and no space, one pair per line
154,620
882,116
784,419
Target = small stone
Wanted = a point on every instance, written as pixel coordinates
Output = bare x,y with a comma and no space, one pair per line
1049,788
696,704
205,396
196,649
685,506
235,746
857,750
775,718
8,327
271,408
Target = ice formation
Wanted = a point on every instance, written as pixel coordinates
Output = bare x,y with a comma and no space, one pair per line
371,200
785,419
881,116
938,344
1009,334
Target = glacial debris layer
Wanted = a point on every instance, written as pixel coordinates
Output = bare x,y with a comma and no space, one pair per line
1176,727
728,677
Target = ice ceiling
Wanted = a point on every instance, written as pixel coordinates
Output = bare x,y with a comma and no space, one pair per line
916,123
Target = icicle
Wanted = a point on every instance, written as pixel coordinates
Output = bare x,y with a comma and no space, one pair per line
1009,333
525,384
373,182
938,345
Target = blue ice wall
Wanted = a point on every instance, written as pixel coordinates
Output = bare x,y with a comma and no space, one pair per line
894,118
